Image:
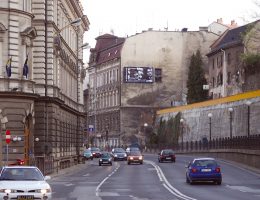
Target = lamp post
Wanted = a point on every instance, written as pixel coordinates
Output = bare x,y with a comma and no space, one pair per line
181,121
210,116
230,110
248,103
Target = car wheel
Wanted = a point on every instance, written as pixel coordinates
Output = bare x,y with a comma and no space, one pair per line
128,163
141,163
218,182
111,164
99,164
91,158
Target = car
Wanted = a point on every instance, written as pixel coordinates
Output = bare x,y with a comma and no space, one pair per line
105,158
95,152
87,154
23,182
166,155
119,154
135,157
203,169
129,149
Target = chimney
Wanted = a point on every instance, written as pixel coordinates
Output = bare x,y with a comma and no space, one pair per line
220,21
233,24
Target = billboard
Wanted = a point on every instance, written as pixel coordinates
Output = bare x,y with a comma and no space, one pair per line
138,74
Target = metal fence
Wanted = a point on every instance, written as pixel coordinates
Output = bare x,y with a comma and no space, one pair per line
45,164
251,142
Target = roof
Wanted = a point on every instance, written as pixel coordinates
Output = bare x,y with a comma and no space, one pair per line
108,47
204,158
230,38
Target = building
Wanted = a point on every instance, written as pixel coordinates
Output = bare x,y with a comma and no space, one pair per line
132,78
228,73
104,90
41,79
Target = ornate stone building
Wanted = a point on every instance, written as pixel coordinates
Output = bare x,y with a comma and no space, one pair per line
41,77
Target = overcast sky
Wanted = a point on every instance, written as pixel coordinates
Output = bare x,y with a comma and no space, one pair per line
127,17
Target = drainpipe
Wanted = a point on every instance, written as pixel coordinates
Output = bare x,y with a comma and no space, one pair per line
224,84
46,76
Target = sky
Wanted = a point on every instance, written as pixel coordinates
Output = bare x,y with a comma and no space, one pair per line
127,17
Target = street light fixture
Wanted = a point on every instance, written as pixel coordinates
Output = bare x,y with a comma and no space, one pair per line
210,116
248,103
230,110
182,121
75,22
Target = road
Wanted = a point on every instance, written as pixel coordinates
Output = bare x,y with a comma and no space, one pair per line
152,181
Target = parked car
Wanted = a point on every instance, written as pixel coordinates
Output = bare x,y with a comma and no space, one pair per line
23,182
95,152
105,158
166,155
135,157
203,169
119,154
87,154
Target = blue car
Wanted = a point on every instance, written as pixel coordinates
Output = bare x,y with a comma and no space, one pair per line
203,169
105,158
87,154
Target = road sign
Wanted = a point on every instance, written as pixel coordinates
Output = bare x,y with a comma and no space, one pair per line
91,128
7,136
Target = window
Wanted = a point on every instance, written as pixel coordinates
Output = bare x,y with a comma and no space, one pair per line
229,78
229,58
213,63
158,75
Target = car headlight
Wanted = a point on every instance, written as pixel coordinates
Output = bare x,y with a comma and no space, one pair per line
100,160
5,191
140,157
131,158
115,155
44,191
125,155
109,159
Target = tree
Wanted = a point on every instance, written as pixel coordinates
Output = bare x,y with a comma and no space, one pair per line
196,80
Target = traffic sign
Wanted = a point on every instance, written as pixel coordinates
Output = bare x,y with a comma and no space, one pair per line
91,128
7,136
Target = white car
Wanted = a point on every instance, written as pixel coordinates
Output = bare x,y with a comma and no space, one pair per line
23,182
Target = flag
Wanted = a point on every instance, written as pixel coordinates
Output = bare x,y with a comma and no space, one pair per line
25,67
8,67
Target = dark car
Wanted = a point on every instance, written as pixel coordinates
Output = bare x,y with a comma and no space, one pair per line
87,154
105,158
135,157
95,152
203,169
119,154
166,155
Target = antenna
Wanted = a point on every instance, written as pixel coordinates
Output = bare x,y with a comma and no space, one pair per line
166,28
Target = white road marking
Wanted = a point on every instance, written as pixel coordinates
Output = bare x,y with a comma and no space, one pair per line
102,182
166,183
244,189
68,184
86,175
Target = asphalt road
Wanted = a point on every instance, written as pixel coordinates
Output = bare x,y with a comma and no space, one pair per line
151,181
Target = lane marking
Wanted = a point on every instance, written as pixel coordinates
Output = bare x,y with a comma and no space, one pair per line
103,181
166,183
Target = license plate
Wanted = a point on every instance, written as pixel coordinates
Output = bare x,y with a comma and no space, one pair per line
25,197
168,158
206,170
105,162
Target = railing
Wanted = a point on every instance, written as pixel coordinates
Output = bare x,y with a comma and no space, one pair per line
239,142
45,164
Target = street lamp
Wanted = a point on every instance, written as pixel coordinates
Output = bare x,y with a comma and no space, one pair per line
182,121
75,22
210,116
248,103
230,110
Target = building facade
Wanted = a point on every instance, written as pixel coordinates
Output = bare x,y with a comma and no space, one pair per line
150,73
228,73
104,91
41,80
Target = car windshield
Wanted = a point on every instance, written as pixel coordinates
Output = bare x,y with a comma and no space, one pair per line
135,153
21,174
119,150
95,149
205,163
105,155
168,152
